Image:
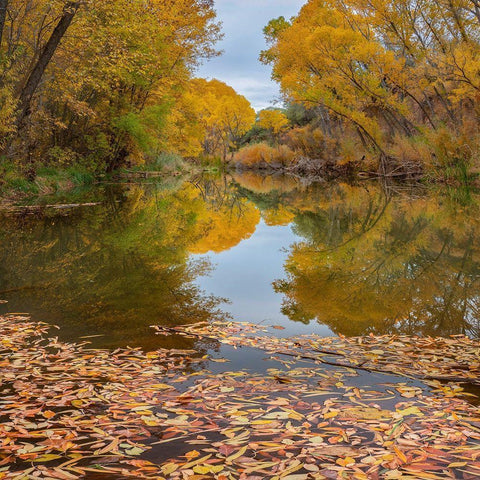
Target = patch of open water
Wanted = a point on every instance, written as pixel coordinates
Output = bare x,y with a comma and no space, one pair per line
326,259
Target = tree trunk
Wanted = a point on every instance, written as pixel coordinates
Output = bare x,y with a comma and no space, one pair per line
3,16
39,68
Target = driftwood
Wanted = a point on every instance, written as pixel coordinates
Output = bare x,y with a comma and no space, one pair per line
58,206
133,173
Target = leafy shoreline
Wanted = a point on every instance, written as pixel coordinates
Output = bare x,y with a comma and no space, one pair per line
68,411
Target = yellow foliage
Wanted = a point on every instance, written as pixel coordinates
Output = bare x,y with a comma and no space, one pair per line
211,118
113,78
273,120
261,155
384,71
7,114
311,142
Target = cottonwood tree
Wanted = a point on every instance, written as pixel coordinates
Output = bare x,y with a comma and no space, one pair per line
385,69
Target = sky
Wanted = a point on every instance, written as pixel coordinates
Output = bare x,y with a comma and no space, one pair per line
243,22
244,275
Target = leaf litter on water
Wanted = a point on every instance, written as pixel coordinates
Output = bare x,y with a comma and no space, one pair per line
67,411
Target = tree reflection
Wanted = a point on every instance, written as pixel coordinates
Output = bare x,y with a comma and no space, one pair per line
227,220
382,263
367,259
116,269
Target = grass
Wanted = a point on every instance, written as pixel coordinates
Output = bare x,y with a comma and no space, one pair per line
47,180
164,162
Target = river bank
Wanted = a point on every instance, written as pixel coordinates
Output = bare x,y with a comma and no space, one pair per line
70,411
66,187
313,170
16,184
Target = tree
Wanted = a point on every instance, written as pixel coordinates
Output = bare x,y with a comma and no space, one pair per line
385,69
223,115
272,119
98,79
38,70
3,17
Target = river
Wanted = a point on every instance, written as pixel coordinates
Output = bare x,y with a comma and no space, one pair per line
325,258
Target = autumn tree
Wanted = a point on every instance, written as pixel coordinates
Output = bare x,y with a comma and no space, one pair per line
49,25
386,70
223,115
273,120
98,79
38,70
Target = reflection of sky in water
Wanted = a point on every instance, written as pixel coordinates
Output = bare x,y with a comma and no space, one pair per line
115,269
244,275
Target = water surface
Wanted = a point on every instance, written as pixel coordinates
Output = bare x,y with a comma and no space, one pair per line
331,258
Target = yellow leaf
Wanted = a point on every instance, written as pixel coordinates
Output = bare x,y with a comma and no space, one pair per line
410,411
46,458
236,455
331,414
169,468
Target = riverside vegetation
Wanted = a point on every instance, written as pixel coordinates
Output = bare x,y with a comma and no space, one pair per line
376,87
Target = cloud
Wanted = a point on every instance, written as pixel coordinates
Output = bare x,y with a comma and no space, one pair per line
243,22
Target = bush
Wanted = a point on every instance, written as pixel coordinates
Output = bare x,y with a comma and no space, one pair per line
411,154
310,141
262,155
164,162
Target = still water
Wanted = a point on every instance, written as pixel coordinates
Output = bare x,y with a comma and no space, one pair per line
331,258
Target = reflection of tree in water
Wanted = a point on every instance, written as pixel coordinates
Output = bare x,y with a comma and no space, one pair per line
372,263
258,184
228,219
115,269
369,262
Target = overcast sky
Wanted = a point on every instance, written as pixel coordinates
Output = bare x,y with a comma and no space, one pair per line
243,22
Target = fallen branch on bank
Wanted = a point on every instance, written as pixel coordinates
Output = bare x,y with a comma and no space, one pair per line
146,174
56,206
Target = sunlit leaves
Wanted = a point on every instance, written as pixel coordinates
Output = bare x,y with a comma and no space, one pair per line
211,118
273,120
382,68
114,77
